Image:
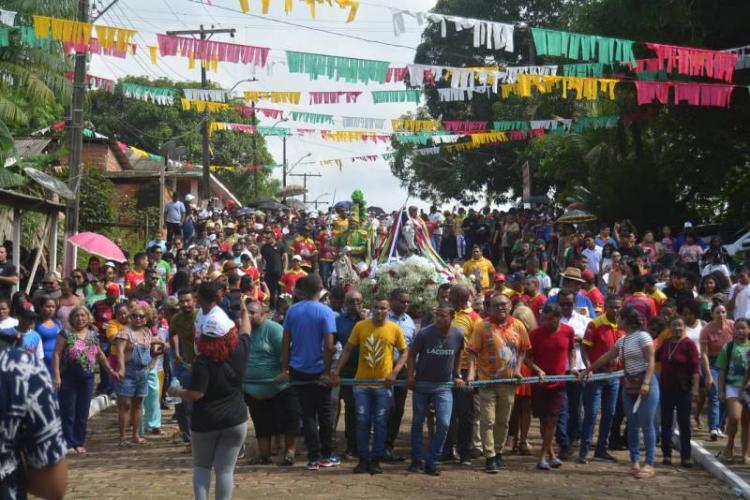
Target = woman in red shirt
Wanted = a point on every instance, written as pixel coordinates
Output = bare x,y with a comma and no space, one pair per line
552,351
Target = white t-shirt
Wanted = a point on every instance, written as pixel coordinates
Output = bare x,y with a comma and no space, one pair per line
694,332
710,268
742,302
437,219
578,322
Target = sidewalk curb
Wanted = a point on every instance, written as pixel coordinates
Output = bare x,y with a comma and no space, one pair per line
713,466
99,404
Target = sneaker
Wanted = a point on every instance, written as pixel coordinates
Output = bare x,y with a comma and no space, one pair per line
555,463
362,467
375,467
603,456
582,460
241,454
564,454
331,461
490,467
416,466
389,457
499,462
431,470
475,453
465,461
288,460
313,466
543,465
714,435
721,433
446,458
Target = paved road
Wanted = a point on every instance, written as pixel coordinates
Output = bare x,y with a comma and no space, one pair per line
162,470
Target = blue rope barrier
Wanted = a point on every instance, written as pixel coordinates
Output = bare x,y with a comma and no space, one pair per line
438,385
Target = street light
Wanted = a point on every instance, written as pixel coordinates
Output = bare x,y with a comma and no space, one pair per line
295,164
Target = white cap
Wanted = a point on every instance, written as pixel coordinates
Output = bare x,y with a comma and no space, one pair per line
688,224
297,257
189,198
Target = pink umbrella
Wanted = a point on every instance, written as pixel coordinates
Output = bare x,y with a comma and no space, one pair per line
98,245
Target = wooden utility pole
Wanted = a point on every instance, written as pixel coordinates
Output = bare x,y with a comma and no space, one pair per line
204,34
304,183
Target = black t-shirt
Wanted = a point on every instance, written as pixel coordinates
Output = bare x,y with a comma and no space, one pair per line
272,257
436,354
222,405
7,270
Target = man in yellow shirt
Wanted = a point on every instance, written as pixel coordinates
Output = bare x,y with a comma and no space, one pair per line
480,267
376,339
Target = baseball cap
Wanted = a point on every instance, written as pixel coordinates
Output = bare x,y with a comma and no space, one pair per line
588,276
688,224
297,257
113,290
499,277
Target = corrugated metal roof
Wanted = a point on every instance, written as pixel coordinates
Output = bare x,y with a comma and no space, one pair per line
26,147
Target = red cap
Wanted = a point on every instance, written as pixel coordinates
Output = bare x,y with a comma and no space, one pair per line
588,276
499,277
113,290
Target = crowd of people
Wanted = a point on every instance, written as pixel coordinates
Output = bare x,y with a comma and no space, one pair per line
235,313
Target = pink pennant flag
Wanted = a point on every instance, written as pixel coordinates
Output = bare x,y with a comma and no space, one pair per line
695,62
333,97
396,74
465,126
649,90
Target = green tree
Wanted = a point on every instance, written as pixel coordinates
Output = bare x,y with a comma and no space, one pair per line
32,82
149,126
680,162
97,194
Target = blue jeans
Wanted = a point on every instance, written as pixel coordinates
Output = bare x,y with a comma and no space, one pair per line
76,390
443,401
644,420
598,395
716,409
325,268
569,422
373,405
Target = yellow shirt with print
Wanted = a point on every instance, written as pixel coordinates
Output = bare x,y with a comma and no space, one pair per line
376,344
466,320
484,266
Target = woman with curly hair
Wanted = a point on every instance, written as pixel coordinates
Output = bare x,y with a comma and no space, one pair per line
76,354
219,419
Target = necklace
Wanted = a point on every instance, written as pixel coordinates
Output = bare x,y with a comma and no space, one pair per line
673,347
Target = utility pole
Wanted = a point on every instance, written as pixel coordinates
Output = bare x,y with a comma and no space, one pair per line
304,183
283,178
204,34
255,152
76,146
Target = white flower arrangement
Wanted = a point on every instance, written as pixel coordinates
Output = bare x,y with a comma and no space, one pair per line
416,275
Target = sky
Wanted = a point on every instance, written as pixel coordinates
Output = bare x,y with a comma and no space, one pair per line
373,22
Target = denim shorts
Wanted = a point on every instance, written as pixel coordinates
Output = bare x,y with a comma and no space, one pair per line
134,384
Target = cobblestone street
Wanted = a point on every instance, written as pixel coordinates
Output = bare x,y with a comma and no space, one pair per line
163,470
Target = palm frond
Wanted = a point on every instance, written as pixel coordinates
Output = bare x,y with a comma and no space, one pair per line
10,112
26,79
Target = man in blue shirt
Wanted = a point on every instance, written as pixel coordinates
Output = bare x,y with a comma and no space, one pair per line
352,313
306,356
399,302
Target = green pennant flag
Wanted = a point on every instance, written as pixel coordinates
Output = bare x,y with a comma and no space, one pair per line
384,96
312,117
339,68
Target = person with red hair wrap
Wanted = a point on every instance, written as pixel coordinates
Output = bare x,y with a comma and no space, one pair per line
219,419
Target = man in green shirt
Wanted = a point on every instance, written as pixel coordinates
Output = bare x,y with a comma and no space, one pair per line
181,338
273,406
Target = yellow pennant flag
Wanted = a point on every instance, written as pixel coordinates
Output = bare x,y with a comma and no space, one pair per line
153,50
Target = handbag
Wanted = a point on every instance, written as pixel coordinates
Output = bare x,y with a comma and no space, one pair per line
632,384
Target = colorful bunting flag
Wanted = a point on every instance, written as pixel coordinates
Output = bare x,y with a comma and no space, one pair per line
158,95
290,97
349,69
385,96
